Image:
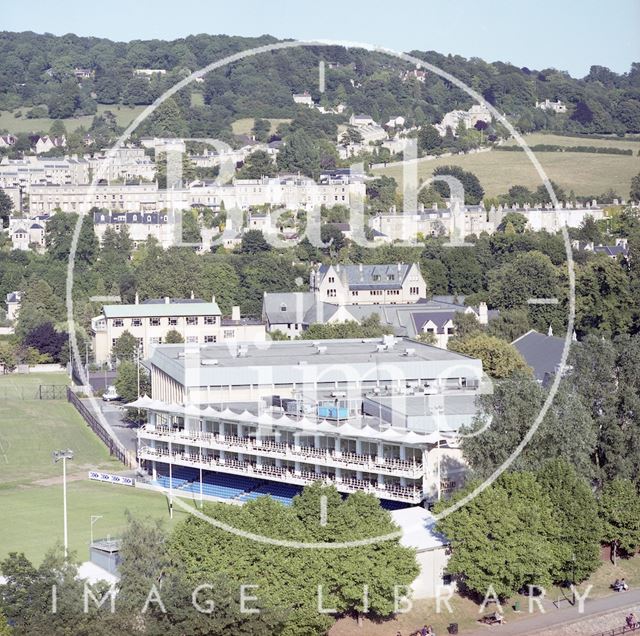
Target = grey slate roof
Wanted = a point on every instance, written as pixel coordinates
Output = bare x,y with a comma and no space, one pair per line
542,353
388,276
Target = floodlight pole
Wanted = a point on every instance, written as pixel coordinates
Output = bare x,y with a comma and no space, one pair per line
94,518
57,456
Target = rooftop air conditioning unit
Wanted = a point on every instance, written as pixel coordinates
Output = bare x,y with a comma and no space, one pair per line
410,352
209,363
376,390
338,394
322,350
381,347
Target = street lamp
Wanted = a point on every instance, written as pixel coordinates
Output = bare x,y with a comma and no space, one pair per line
57,456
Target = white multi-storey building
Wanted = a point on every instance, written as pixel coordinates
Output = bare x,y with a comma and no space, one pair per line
374,415
292,192
197,321
36,171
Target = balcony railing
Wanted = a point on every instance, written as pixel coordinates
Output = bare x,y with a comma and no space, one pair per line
269,471
280,450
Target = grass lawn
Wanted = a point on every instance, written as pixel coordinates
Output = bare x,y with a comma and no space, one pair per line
32,515
560,140
31,429
585,174
244,126
124,116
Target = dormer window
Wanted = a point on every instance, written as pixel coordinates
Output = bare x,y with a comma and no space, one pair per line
283,307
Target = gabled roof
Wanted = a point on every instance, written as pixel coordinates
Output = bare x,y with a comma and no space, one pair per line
387,276
542,353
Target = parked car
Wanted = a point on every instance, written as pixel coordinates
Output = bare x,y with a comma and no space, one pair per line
110,394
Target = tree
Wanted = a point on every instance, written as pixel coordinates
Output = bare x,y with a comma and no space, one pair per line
473,191
288,578
8,358
504,537
510,410
499,358
509,324
465,324
514,220
369,328
125,346
39,305
634,192
603,298
429,139
5,630
173,337
127,381
257,165
575,511
253,242
529,275
6,205
261,129
299,153
47,341
351,136
331,235
620,512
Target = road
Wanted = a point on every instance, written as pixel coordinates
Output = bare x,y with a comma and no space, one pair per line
559,618
114,413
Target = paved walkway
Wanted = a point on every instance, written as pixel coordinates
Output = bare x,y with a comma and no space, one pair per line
558,621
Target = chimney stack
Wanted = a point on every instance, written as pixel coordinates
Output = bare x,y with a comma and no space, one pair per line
167,300
137,301
483,313
235,313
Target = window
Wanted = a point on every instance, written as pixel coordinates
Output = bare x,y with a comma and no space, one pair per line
354,293
155,341
136,322
414,291
229,333
173,322
209,320
113,342
118,322
331,293
154,322
192,320
210,339
283,307
332,279
192,339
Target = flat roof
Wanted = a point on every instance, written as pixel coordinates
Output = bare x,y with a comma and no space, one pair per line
305,361
418,529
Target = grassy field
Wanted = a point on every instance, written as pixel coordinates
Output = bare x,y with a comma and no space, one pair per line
585,174
31,485
33,515
614,142
124,116
244,126
31,429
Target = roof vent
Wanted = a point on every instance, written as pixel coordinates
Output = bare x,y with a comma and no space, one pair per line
322,350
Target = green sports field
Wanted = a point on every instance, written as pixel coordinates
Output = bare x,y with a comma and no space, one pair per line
31,484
